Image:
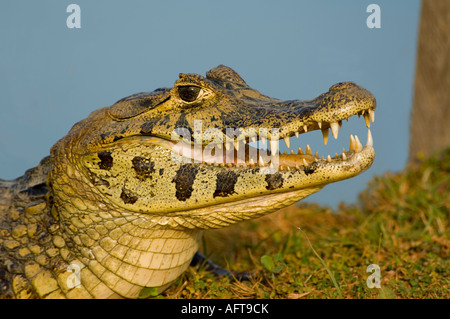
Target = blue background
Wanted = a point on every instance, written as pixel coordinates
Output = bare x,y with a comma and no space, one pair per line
52,76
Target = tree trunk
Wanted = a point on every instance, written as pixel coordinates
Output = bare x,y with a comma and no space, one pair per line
430,122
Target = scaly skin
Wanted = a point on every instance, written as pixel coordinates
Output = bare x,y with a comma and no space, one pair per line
116,208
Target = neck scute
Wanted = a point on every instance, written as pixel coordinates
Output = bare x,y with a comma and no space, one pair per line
121,255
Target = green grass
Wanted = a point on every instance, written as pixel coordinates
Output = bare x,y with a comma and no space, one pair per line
401,224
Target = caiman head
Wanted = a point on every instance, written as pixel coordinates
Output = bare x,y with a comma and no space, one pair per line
129,153
195,156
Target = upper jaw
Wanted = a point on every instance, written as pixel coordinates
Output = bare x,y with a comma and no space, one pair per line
260,119
325,113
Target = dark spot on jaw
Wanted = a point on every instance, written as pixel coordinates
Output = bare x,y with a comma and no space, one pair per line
310,169
128,197
225,183
106,160
143,167
274,181
161,171
184,180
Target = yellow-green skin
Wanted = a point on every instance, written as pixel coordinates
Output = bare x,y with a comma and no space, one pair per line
110,212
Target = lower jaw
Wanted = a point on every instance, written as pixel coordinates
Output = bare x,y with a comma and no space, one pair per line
227,213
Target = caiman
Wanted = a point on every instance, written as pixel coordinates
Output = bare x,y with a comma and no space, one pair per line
123,199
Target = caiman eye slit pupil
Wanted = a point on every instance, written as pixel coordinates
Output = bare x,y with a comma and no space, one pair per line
188,93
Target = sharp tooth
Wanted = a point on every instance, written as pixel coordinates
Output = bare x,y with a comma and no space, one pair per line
251,162
320,124
297,166
367,119
316,154
344,157
296,134
274,146
219,146
261,161
300,151
369,142
253,139
336,155
288,168
334,129
352,143
227,146
285,153
292,152
305,128
287,140
325,136
358,144
236,145
304,162
329,158
281,167
245,140
308,150
372,115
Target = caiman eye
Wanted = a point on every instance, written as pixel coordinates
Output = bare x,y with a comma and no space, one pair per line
189,93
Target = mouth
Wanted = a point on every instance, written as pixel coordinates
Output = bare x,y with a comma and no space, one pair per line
252,151
240,153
